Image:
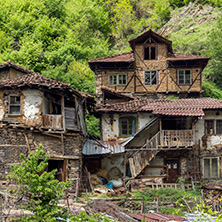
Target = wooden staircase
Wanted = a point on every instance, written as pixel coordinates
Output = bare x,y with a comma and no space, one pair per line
142,158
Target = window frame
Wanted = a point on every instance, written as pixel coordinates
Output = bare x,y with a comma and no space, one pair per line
218,167
150,71
128,118
14,105
184,77
205,132
149,47
220,127
117,79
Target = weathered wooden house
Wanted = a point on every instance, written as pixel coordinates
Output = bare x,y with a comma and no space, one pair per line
35,109
157,137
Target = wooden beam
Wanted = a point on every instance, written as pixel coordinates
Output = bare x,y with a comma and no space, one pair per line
195,80
63,112
161,81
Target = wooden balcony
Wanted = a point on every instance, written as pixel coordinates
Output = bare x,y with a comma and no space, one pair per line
53,121
171,139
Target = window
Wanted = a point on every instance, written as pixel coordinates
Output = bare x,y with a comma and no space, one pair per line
184,77
150,78
211,167
127,125
219,126
14,105
149,52
117,79
209,127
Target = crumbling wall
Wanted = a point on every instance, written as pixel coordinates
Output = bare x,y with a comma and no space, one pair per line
13,142
32,107
208,142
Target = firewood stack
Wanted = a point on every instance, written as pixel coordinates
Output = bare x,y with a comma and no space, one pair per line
213,197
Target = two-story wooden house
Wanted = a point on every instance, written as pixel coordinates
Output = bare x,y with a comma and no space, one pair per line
157,137
150,70
35,109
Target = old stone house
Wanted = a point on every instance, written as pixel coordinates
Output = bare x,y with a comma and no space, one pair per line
148,135
35,109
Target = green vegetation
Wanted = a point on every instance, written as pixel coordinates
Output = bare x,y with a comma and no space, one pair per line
39,188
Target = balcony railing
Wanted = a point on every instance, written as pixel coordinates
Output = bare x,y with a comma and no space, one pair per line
171,138
177,138
53,121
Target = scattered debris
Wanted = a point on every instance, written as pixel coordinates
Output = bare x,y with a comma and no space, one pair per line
110,210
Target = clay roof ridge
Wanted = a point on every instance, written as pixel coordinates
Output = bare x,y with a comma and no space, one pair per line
110,56
16,66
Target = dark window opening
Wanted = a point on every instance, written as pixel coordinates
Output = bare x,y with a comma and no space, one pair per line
146,53
149,52
176,124
219,126
127,126
209,127
59,165
52,104
150,78
15,105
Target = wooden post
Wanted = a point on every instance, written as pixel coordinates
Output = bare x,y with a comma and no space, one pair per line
63,112
124,170
62,141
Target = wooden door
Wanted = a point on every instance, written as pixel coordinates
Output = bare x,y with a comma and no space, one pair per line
173,170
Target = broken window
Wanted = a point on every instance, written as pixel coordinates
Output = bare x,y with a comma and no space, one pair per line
184,77
117,79
52,104
209,127
14,104
211,167
127,125
149,52
150,78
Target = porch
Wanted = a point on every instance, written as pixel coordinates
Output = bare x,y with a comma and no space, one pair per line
170,139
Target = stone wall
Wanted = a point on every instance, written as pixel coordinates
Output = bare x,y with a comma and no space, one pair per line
13,142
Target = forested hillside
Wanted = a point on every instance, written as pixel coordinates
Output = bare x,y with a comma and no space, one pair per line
57,37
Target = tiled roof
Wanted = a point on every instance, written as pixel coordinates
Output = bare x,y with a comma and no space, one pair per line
112,91
128,57
15,66
37,80
181,107
179,56
123,57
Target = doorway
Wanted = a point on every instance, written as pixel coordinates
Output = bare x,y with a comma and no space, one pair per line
173,170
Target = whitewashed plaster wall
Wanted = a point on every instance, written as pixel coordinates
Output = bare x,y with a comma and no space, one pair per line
112,130
212,140
2,110
143,119
32,106
111,161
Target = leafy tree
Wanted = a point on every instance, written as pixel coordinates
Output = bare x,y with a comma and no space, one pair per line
40,190
215,52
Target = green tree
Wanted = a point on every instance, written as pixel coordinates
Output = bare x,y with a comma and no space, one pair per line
39,188
215,53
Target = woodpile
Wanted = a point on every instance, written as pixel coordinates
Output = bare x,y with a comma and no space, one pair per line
213,197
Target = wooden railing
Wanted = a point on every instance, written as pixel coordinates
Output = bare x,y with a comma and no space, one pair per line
177,138
53,121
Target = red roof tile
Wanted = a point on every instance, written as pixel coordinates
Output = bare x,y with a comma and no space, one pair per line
179,56
37,80
181,107
123,57
128,57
